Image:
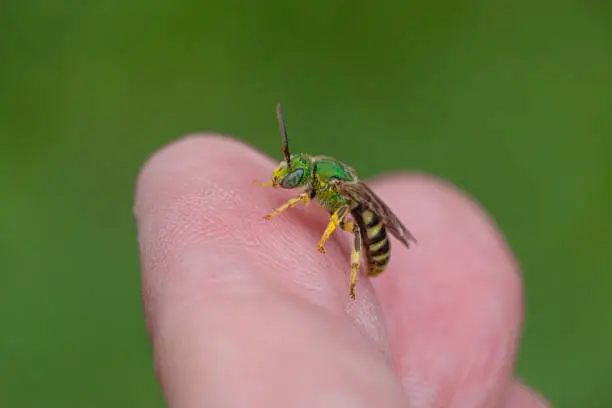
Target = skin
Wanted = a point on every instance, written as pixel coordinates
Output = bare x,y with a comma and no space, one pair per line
243,312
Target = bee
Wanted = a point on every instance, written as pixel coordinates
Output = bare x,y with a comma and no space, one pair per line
352,205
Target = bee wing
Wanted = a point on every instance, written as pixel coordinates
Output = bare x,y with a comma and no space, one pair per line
360,192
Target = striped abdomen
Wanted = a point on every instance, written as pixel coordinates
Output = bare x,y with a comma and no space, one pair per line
374,237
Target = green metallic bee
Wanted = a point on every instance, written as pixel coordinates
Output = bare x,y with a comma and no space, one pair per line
337,188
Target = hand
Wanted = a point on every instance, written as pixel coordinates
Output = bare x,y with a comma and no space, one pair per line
247,313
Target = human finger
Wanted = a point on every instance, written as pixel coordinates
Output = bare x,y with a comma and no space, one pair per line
241,310
453,303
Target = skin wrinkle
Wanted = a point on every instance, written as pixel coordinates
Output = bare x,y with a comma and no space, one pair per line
306,301
367,318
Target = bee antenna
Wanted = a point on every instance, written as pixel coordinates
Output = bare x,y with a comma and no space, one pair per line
283,129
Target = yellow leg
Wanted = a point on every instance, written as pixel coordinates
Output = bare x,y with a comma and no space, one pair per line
335,220
352,227
355,259
260,184
304,197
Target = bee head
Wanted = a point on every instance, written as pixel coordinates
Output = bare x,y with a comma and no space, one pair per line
294,175
295,170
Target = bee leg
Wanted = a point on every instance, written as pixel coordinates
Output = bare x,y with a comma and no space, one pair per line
304,197
350,226
336,219
263,185
355,261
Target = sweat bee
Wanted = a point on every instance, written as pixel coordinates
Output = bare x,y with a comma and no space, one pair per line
352,205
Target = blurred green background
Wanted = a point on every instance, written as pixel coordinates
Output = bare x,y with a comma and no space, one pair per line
512,102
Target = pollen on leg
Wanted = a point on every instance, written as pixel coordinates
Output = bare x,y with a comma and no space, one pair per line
263,185
348,226
304,197
336,219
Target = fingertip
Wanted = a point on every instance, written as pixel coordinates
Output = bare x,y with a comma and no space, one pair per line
222,288
181,191
198,192
454,302
188,153
458,240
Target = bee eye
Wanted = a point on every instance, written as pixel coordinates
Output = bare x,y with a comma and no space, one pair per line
292,179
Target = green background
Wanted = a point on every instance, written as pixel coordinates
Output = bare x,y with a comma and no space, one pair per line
511,102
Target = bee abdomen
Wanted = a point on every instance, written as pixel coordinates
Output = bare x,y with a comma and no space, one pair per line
375,240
